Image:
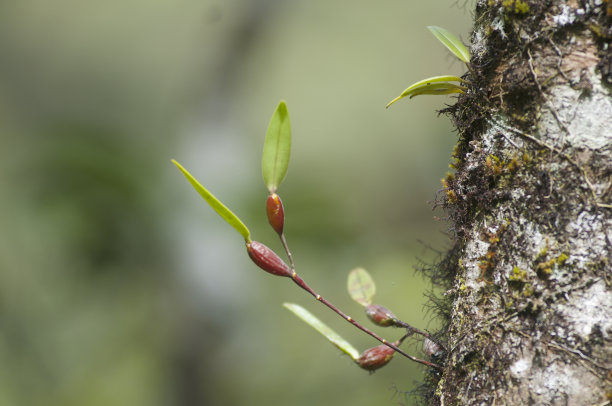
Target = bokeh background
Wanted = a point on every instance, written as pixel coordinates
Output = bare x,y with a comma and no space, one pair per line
119,286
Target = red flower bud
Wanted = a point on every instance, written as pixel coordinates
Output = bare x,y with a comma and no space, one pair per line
267,259
376,357
276,213
380,315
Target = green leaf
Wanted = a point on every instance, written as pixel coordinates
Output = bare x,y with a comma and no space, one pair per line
361,286
217,206
438,89
451,42
322,328
432,83
277,148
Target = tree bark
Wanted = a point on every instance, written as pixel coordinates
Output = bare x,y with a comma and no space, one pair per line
529,319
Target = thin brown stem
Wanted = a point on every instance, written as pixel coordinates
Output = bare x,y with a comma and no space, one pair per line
286,246
302,284
420,332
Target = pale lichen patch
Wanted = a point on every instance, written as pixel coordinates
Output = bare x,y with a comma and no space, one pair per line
473,275
588,231
584,121
520,367
478,46
566,16
564,378
588,308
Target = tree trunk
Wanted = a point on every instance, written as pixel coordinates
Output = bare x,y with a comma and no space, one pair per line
530,315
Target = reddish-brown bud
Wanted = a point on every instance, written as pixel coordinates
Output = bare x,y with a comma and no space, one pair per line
375,358
267,259
380,315
276,212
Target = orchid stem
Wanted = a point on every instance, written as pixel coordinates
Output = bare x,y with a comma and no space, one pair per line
286,246
302,284
420,332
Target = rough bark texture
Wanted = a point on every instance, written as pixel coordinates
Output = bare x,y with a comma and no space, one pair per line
530,303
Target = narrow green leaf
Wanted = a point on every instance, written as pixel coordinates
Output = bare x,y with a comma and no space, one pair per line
322,328
431,82
361,286
277,148
438,89
217,206
451,42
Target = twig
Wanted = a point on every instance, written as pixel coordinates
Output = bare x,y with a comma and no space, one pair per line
575,352
585,359
558,52
302,284
510,141
286,247
419,332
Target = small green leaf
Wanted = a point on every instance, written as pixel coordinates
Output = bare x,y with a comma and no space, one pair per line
438,89
217,206
361,286
451,42
322,328
432,83
277,148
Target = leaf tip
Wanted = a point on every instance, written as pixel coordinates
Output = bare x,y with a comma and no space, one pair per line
451,42
393,101
216,204
282,110
180,167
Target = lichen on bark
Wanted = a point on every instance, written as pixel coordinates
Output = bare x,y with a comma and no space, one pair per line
528,279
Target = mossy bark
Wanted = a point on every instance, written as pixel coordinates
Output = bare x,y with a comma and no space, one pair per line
528,279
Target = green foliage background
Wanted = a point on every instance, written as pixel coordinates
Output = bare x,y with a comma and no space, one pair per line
119,286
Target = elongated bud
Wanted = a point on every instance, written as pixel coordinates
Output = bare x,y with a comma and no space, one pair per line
380,315
276,212
375,357
267,259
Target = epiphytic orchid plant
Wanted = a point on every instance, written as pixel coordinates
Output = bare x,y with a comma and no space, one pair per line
275,161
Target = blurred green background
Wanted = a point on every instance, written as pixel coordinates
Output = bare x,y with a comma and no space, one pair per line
119,286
